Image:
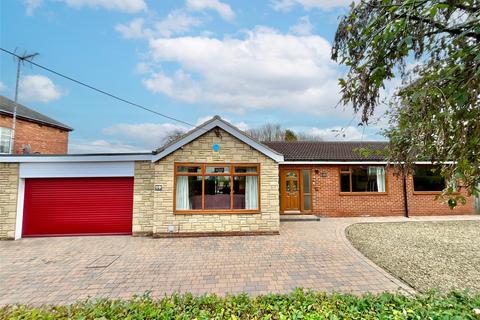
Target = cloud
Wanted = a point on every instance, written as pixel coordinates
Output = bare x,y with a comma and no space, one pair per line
128,6
147,135
31,5
287,5
180,86
38,88
338,133
134,29
223,9
176,22
2,86
103,146
262,69
303,27
142,68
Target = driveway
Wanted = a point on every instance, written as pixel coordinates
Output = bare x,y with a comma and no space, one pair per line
307,253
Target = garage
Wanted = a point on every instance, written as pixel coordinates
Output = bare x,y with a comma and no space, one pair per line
78,206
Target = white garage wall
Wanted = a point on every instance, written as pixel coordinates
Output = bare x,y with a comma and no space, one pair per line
77,169
19,217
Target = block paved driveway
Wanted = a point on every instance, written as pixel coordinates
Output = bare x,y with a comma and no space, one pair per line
307,253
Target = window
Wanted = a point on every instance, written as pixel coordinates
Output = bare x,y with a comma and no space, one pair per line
5,139
362,179
427,179
216,187
307,193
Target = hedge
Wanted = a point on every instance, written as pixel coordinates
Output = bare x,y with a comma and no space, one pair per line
297,305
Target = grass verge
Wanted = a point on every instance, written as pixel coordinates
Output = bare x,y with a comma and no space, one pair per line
297,305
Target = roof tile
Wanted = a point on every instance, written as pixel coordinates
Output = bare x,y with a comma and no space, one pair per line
7,107
327,150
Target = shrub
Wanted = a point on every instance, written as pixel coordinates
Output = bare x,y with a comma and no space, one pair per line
297,305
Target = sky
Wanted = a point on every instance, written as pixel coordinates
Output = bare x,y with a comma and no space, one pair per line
250,62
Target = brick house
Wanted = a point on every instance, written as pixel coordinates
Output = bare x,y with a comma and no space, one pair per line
35,132
215,180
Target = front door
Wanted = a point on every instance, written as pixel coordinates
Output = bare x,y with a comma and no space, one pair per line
291,190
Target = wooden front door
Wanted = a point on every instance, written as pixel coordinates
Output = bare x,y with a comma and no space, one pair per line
291,190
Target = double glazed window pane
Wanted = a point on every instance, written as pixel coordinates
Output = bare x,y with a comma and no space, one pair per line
5,140
245,169
306,181
217,169
363,179
239,184
189,169
360,181
189,193
245,192
217,192
307,198
345,181
424,179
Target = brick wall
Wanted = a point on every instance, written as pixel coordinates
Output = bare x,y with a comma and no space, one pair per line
41,138
232,150
426,204
328,201
144,181
8,199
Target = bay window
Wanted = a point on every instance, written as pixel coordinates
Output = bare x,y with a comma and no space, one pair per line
5,139
216,187
363,179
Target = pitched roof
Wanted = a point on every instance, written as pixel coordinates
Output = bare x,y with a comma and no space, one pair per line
327,150
215,122
7,107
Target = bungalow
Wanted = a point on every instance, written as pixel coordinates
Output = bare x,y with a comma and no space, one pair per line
215,180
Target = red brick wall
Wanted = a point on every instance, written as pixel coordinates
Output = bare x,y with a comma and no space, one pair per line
328,201
423,204
42,139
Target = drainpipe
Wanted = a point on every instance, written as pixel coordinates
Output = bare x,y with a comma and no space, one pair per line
405,195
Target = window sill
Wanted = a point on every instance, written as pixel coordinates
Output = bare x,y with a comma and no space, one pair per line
213,212
363,193
432,193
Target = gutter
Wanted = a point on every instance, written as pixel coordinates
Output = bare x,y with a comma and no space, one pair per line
358,162
76,158
37,121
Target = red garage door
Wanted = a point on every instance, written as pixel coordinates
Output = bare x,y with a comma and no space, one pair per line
78,206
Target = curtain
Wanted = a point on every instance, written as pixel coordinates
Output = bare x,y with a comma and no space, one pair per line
380,172
182,198
251,191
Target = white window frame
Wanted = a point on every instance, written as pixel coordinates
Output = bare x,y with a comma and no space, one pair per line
5,135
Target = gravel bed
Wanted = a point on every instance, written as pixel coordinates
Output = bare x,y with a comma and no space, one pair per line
441,255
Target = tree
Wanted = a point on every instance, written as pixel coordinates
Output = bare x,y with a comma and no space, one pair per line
268,132
290,135
274,132
435,113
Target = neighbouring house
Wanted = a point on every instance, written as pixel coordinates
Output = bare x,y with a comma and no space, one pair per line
214,180
34,133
